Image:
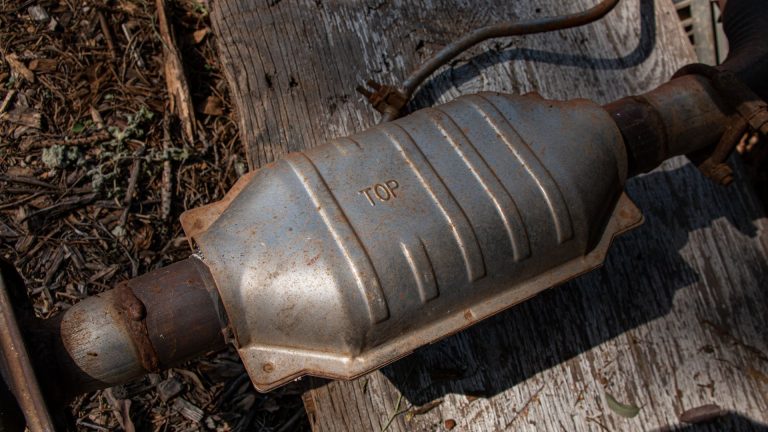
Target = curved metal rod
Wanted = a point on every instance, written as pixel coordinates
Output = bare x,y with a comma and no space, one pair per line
390,100
542,25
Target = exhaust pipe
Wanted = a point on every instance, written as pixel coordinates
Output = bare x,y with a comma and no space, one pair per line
338,260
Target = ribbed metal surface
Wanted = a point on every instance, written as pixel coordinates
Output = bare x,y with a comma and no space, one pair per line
338,260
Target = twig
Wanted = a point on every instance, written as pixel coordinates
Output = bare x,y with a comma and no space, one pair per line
524,410
62,206
132,180
17,203
134,261
165,193
27,180
597,422
91,139
7,100
107,34
396,412
178,88
91,426
58,260
724,334
132,45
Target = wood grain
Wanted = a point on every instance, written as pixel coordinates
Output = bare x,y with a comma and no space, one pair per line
674,320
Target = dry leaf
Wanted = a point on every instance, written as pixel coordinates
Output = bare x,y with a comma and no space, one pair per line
624,410
200,35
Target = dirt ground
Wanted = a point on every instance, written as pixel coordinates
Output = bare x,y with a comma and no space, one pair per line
94,173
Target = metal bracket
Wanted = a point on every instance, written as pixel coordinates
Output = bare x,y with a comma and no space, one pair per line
749,111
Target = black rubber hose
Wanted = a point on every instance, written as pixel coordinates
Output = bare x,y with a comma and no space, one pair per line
745,23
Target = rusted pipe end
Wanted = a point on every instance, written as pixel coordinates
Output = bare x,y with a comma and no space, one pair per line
148,323
681,117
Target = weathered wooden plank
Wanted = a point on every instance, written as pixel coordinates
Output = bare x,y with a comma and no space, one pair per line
293,67
674,320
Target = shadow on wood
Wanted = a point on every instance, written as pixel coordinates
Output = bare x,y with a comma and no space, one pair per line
630,290
728,422
473,68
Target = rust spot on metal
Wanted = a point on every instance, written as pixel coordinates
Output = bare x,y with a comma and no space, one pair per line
133,312
313,260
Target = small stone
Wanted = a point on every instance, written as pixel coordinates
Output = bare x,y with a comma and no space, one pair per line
450,424
38,14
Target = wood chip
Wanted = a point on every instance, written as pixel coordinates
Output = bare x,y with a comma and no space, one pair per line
106,273
52,24
169,389
188,410
18,69
200,35
211,106
43,65
97,119
122,410
55,263
25,117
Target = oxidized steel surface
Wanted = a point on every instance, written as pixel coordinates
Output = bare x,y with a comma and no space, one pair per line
677,118
154,321
132,313
336,261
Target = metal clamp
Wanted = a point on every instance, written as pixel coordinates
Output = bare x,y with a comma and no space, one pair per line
749,111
